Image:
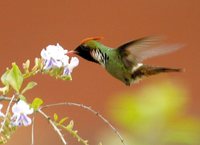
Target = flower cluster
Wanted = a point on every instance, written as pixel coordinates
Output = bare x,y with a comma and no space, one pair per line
55,62
20,111
55,58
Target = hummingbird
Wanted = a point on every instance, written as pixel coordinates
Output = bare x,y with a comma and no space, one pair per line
125,62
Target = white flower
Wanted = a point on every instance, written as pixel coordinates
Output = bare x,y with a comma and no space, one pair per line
1,114
69,68
54,57
20,111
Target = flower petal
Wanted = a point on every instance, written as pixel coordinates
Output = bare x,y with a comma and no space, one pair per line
54,57
74,62
66,71
65,60
26,120
21,107
1,106
29,111
15,120
44,54
48,64
2,115
16,109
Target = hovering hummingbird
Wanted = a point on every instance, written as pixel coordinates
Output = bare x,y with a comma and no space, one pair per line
125,62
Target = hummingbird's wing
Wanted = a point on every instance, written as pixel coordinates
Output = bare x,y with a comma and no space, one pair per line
144,48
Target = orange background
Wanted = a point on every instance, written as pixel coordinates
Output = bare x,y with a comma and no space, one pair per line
28,26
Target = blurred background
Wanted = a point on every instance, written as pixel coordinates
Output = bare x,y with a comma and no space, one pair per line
161,110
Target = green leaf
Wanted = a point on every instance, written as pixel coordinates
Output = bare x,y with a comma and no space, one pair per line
37,102
14,77
69,128
3,77
62,120
22,97
66,77
55,116
70,125
29,86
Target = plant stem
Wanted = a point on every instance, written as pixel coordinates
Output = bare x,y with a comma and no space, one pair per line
7,111
74,133
92,111
4,98
32,131
53,125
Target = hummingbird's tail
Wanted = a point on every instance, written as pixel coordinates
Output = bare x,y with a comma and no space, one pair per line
146,70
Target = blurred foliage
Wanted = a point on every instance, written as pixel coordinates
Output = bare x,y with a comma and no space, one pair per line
155,115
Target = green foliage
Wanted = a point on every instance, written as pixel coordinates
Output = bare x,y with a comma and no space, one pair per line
36,68
62,120
7,131
13,77
69,128
58,74
155,115
22,97
29,86
3,77
150,104
65,78
55,116
37,102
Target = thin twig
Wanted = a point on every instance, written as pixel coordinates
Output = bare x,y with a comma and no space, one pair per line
4,98
32,130
73,133
53,125
91,110
7,111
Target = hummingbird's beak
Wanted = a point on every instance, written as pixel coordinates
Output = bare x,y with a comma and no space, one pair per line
71,52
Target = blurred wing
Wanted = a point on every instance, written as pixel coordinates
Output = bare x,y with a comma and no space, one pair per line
144,48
